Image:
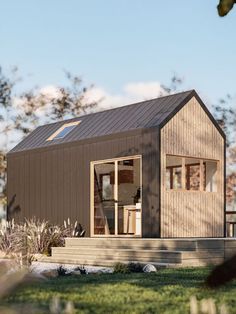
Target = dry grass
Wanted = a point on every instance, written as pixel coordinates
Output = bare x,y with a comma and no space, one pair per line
34,237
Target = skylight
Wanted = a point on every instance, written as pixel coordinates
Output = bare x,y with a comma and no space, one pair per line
63,130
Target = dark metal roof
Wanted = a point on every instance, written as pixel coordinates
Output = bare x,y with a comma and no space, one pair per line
145,114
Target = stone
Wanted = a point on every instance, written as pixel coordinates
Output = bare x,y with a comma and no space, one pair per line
149,268
50,273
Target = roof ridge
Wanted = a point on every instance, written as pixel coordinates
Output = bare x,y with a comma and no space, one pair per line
116,108
143,114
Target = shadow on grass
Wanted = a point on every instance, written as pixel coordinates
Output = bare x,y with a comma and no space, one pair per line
165,291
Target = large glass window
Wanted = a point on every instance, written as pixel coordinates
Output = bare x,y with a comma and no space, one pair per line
191,174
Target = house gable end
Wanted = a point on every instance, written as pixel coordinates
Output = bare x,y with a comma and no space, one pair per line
200,102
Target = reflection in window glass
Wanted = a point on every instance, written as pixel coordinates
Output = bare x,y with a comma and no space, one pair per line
168,184
173,172
177,175
107,188
66,130
210,176
192,170
129,197
104,214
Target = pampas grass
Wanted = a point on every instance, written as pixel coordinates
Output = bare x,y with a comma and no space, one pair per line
34,236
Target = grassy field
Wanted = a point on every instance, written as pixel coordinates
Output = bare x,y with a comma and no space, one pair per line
167,291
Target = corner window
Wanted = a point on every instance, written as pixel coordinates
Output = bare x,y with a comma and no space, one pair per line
191,174
63,131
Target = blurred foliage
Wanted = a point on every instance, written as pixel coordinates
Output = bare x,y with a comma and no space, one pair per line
14,278
225,6
222,273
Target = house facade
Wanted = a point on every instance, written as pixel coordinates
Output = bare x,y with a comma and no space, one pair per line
152,169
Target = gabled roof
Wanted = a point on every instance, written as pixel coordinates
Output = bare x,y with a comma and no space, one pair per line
146,114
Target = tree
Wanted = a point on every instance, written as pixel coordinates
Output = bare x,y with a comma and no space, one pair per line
225,113
21,113
6,119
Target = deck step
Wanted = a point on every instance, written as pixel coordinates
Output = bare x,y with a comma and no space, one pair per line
121,254
121,243
177,252
115,259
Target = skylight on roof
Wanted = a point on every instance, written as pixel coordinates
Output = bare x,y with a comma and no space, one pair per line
63,130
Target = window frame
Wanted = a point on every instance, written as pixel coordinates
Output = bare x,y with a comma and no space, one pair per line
52,137
184,166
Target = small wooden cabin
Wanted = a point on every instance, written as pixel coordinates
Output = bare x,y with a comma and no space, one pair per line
151,169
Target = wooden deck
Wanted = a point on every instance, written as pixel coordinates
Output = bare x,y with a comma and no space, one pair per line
161,252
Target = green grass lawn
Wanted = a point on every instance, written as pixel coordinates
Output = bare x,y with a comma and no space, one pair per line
167,291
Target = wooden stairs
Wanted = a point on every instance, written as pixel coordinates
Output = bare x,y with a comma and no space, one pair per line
160,252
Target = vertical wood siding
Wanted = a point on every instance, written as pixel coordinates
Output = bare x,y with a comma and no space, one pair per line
192,213
54,183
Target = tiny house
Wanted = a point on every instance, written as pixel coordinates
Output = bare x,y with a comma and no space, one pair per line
153,169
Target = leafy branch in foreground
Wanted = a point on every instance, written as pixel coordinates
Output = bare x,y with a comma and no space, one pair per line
225,6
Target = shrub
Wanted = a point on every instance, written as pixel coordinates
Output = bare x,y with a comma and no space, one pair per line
41,236
34,236
72,230
62,271
128,268
135,267
82,270
121,268
10,241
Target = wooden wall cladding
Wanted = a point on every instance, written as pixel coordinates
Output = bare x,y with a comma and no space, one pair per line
191,133
53,183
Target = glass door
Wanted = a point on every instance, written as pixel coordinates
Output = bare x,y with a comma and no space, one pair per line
129,197
116,197
104,198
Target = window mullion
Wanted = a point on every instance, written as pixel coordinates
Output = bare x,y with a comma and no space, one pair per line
183,178
171,179
201,175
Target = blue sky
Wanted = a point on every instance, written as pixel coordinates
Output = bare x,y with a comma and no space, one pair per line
114,43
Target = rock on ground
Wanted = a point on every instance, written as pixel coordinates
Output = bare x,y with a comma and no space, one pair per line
39,267
149,268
